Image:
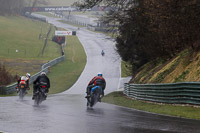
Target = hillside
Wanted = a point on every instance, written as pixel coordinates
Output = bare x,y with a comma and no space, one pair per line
185,67
21,47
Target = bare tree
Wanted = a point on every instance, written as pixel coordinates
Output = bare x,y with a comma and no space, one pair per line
34,3
11,7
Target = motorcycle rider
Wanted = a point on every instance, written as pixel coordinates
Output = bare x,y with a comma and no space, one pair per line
23,80
102,52
96,81
41,80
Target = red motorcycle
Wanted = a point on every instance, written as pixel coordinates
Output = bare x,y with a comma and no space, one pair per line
22,91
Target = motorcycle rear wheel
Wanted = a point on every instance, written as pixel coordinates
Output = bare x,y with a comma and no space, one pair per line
37,99
21,93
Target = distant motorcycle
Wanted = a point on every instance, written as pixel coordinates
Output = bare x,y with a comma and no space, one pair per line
94,96
41,94
22,91
102,53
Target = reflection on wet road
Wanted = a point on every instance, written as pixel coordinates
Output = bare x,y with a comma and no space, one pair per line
68,113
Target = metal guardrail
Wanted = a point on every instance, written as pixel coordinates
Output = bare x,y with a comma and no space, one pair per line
80,20
45,68
35,17
173,93
2,90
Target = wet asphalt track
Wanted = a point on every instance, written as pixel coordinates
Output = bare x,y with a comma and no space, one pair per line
67,112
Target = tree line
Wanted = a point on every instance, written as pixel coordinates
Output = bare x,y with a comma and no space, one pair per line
8,7
15,7
5,78
151,29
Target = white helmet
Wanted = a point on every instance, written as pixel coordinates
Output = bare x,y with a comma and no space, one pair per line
43,73
28,75
99,74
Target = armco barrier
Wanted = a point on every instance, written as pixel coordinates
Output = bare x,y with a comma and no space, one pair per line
35,17
45,68
2,90
173,93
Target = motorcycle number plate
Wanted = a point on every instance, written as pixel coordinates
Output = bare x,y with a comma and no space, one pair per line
22,86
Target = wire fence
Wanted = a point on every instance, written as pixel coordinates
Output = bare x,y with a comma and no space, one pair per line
45,68
17,52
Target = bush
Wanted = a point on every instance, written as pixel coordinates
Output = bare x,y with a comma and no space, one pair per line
3,90
5,77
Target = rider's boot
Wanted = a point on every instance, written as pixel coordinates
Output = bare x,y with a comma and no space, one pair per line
33,96
45,96
102,94
99,99
88,95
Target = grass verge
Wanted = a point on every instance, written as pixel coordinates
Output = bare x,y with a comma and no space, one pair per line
19,38
118,98
65,74
126,69
21,47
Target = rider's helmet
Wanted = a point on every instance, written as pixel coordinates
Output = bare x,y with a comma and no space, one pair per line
43,73
28,75
100,74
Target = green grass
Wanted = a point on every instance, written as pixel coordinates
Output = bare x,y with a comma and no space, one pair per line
118,98
181,77
163,74
14,94
126,69
22,34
